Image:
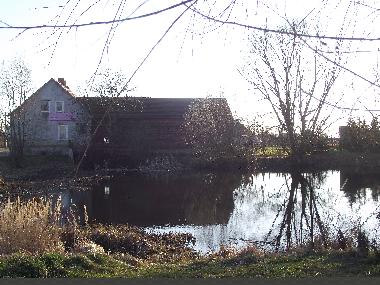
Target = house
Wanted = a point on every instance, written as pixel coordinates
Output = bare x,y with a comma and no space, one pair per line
55,121
50,121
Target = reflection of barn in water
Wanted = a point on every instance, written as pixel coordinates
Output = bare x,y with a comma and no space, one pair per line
358,186
189,200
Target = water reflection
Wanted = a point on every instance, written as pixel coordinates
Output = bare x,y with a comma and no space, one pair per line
358,186
270,209
186,200
299,216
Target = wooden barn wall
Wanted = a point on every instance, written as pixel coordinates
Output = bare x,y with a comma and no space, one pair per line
149,135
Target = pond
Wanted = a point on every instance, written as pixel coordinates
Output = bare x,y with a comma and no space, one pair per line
271,210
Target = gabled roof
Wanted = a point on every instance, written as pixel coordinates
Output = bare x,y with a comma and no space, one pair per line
65,88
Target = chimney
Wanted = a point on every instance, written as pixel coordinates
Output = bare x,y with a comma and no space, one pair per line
62,81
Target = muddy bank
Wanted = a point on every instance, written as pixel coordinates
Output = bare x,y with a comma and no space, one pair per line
36,168
42,175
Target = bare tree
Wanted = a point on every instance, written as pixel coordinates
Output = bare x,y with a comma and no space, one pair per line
107,83
15,84
295,83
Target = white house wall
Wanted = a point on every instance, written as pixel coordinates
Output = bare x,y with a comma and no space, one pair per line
41,128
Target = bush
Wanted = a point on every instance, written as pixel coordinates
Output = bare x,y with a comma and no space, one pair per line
23,266
30,227
359,136
310,142
212,132
28,266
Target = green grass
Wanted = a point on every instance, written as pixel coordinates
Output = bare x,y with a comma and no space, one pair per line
59,265
337,264
269,267
272,151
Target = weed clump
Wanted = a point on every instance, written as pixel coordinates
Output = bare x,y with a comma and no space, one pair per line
30,227
139,244
233,257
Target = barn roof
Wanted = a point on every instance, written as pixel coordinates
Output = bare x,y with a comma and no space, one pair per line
128,107
140,107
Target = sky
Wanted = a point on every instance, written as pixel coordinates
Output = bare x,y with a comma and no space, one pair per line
197,58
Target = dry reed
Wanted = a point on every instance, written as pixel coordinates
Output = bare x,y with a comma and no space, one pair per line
30,227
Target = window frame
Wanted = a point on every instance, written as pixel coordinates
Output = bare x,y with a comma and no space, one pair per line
63,106
48,106
66,127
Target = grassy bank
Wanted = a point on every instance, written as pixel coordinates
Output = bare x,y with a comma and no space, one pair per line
277,160
328,264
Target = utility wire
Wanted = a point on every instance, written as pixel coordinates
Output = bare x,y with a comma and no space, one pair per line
283,32
339,65
247,26
301,36
8,26
340,107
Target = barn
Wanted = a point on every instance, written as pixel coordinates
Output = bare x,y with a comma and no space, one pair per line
135,129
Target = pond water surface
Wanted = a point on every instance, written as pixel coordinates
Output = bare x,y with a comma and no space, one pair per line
273,210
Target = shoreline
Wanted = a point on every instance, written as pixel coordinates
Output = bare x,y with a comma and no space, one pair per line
37,169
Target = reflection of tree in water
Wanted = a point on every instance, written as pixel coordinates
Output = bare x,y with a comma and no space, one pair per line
253,190
296,224
356,186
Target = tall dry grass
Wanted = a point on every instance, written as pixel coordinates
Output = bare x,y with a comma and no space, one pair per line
31,227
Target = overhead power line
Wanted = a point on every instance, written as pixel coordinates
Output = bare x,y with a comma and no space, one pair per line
247,26
344,108
283,32
56,26
301,36
373,83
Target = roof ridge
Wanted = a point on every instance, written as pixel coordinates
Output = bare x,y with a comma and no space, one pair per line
65,87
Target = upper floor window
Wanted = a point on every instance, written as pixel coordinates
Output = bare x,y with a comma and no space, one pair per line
45,106
59,107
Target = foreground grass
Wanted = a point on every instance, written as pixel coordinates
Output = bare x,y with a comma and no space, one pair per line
342,264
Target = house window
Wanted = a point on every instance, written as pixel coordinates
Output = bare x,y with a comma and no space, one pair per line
59,106
63,132
45,106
